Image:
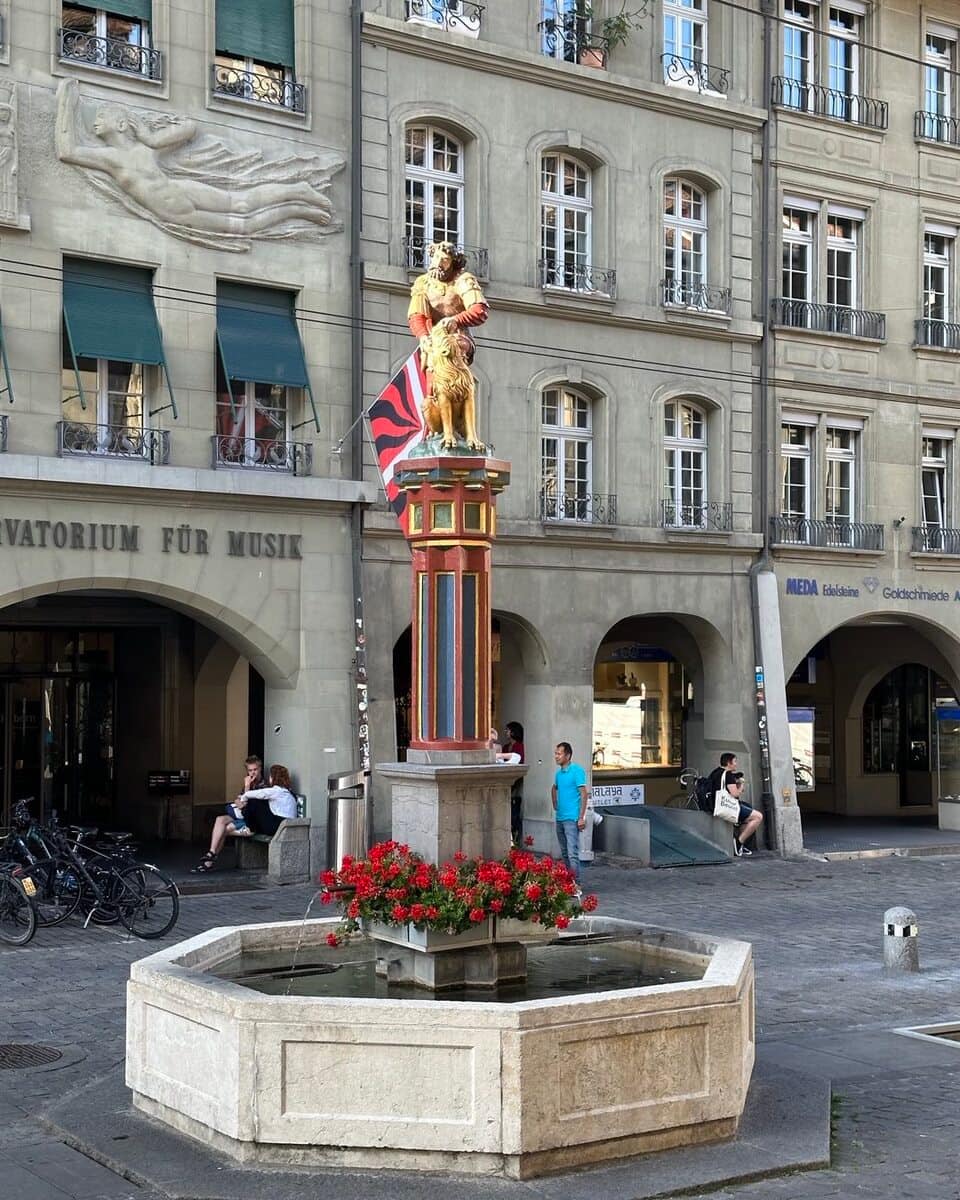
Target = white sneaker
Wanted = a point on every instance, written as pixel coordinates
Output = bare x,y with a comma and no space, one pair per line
746,851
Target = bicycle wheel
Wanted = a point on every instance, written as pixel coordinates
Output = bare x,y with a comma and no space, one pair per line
58,890
18,917
147,900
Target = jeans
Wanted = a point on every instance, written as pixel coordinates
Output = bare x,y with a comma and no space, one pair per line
568,835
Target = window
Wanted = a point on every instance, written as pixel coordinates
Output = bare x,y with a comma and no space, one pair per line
840,481
105,414
460,16
842,283
117,38
566,451
684,243
843,63
937,253
798,61
261,369
564,30
255,53
565,220
684,40
795,459
685,464
798,227
433,190
933,480
940,52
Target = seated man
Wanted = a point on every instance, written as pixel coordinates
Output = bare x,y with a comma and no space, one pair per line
234,822
750,819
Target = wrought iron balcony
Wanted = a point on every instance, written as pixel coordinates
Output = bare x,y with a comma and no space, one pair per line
847,535
110,53
589,509
830,318
262,454
457,16
678,293
415,257
597,281
937,333
113,441
260,88
826,102
696,75
934,539
931,127
711,514
4,419
569,40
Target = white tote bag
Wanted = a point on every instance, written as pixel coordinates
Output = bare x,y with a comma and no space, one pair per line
724,805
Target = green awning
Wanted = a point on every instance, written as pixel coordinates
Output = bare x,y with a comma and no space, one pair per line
108,312
140,10
258,29
259,340
7,381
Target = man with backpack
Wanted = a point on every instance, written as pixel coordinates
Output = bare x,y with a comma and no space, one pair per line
724,776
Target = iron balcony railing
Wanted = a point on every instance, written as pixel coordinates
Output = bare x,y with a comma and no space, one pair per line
259,87
415,256
935,539
830,318
457,16
710,514
569,40
597,281
826,102
262,454
943,334
678,293
848,535
111,53
588,509
113,441
931,127
4,421
694,74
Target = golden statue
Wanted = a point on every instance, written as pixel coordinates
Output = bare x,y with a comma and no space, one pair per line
445,302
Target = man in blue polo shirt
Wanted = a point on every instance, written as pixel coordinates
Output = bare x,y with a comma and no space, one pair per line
569,797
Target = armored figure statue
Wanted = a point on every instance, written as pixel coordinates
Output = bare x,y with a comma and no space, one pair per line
445,302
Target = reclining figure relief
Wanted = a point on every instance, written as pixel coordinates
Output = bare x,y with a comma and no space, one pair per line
160,167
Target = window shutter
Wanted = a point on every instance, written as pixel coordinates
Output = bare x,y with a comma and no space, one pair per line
109,312
140,10
260,29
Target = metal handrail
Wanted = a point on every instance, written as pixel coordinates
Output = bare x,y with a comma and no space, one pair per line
829,318
932,127
929,332
693,73
113,54
835,534
935,539
262,454
569,40
113,441
415,256
681,294
259,88
709,514
589,509
455,16
827,102
600,281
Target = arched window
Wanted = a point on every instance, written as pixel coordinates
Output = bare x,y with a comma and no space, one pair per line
566,213
566,456
684,244
685,465
433,180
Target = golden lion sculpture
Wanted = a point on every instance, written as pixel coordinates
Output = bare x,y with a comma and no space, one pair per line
450,406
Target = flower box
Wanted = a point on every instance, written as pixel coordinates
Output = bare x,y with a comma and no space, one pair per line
512,929
430,941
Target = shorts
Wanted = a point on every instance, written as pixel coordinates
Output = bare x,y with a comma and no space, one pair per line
746,811
234,814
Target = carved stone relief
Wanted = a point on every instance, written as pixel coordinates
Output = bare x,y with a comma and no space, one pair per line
9,164
163,168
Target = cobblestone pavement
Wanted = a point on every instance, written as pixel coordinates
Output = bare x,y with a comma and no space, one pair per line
824,1005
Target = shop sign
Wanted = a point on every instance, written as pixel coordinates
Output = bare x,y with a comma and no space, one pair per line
798,586
611,795
29,534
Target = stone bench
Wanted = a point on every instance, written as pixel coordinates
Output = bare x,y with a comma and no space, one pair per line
285,856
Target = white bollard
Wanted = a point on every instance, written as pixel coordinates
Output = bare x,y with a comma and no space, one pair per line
901,940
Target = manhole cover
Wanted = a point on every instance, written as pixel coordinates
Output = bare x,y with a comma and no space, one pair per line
14,1058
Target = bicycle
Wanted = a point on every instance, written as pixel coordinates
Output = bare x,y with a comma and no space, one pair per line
56,894
687,779
18,917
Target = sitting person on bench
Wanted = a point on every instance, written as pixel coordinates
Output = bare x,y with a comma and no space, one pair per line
256,810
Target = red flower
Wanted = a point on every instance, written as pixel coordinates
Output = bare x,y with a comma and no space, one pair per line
347,861
533,891
528,840
333,939
477,915
459,856
562,921
589,903
417,912
353,909
326,898
399,913
432,912
328,878
448,878
496,906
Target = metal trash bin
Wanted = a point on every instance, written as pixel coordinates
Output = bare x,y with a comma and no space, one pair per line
348,817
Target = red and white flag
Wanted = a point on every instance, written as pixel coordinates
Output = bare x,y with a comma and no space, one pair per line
396,423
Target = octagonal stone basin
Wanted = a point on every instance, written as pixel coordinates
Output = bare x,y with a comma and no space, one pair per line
519,1088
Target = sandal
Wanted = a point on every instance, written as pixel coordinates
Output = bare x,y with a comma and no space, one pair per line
205,864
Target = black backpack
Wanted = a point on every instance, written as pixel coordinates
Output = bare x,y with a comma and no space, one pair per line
703,791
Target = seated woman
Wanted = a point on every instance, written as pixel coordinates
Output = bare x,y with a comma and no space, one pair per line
258,810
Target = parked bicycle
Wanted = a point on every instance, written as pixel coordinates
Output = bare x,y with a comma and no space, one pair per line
687,798
18,917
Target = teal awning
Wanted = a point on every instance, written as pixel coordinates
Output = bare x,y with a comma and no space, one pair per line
108,312
259,340
258,29
140,10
